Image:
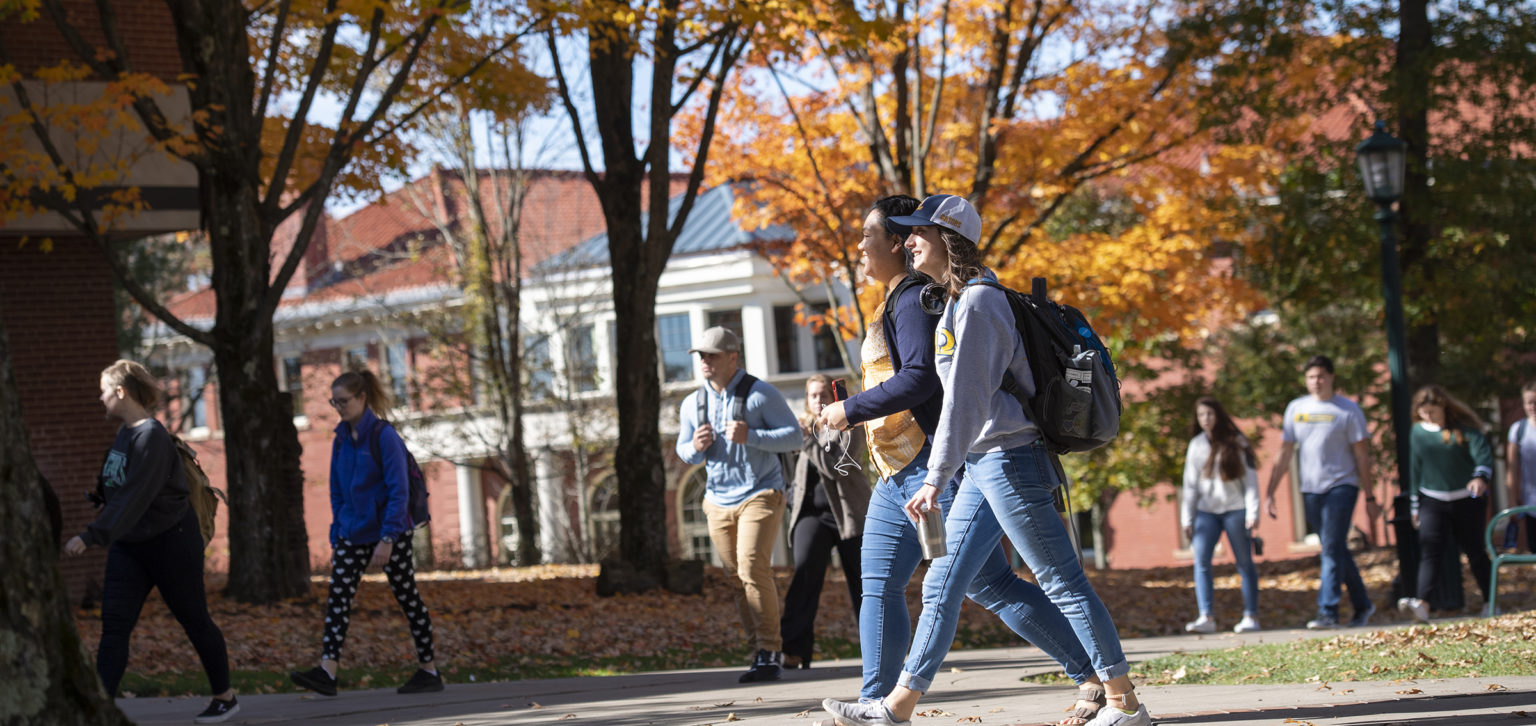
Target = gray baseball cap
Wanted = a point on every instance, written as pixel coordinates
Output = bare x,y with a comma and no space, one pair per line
717,340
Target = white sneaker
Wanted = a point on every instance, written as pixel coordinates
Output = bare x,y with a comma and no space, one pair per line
1414,606
1205,624
861,713
1111,716
1249,624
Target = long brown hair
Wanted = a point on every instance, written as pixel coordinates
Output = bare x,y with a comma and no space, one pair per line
1458,415
363,382
964,261
1229,448
136,381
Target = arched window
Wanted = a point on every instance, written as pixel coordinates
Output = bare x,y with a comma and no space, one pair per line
693,528
603,518
506,530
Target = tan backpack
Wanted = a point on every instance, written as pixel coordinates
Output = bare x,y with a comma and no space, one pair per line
204,498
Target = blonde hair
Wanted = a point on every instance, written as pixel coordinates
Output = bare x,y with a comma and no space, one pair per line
1458,415
135,380
363,382
808,419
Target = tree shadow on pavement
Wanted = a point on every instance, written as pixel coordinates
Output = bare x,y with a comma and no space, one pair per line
1429,710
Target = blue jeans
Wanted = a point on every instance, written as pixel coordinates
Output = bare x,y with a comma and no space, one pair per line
1208,528
1330,514
1016,484
891,554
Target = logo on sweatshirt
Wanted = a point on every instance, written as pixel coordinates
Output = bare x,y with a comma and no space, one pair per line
943,342
113,469
1315,418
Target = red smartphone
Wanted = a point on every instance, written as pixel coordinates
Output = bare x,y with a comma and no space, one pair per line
839,389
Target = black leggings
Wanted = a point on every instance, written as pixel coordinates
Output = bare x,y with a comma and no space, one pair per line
1451,524
347,565
171,561
814,537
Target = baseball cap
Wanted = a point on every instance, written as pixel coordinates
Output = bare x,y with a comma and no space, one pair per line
945,210
717,340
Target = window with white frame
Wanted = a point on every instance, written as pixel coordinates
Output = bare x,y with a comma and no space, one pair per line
789,336
826,344
292,373
539,367
356,358
693,529
395,365
674,338
581,359
196,398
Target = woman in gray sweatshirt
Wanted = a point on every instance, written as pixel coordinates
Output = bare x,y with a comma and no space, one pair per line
1007,469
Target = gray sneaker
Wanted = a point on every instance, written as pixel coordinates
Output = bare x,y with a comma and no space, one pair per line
1324,621
1362,618
863,713
1111,716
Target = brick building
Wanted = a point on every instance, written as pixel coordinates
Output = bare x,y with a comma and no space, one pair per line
376,289
56,289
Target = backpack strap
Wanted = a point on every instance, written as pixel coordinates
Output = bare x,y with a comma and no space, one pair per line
739,396
702,399
1520,431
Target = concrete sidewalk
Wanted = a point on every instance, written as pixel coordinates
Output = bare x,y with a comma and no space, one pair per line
977,686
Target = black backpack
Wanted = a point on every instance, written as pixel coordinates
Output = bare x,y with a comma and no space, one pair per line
416,503
1077,395
738,399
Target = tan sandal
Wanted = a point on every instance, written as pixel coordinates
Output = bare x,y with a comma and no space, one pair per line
1090,698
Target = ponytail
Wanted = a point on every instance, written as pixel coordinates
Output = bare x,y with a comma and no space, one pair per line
136,381
363,382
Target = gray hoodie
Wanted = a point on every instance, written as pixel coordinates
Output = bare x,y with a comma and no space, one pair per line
975,342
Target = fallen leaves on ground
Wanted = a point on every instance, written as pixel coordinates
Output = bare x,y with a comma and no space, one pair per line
549,613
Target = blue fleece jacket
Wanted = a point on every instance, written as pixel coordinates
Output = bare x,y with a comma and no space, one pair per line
915,386
368,498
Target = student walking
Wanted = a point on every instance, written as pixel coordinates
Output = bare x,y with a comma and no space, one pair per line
1327,433
1452,465
1221,494
1007,469
900,408
828,496
370,527
152,537
737,427
1520,469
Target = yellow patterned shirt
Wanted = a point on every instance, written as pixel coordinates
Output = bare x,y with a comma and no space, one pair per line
895,439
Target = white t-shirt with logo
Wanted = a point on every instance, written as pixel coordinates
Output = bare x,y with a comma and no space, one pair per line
1527,450
1325,433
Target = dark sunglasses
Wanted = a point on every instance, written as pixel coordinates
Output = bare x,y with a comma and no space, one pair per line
339,402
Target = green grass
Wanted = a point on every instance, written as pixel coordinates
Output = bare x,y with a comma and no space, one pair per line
1465,649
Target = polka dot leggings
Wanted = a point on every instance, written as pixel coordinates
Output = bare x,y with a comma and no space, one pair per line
347,565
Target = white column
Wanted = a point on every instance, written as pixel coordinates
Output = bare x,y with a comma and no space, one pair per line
550,508
471,516
755,323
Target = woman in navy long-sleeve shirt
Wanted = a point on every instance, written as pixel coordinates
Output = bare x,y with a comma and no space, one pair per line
370,527
900,408
152,538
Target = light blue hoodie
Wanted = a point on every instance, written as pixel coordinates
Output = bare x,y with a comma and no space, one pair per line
975,342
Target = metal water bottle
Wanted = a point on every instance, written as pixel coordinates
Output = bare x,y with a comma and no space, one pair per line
930,534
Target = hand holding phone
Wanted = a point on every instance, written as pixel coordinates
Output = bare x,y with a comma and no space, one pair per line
839,390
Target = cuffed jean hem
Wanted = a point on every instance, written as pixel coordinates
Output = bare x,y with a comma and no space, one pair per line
914,682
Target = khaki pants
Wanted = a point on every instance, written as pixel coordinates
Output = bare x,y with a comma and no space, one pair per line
744,536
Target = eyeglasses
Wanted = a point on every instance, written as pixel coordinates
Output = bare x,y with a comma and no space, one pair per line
339,402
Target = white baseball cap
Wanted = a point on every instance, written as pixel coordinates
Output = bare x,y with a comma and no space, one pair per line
945,210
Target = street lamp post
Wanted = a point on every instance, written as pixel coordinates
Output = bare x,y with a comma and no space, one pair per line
1382,158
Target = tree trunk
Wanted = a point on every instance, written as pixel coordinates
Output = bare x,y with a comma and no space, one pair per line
46,675
638,460
268,545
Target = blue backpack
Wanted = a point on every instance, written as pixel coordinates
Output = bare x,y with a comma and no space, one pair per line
416,503
1077,395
